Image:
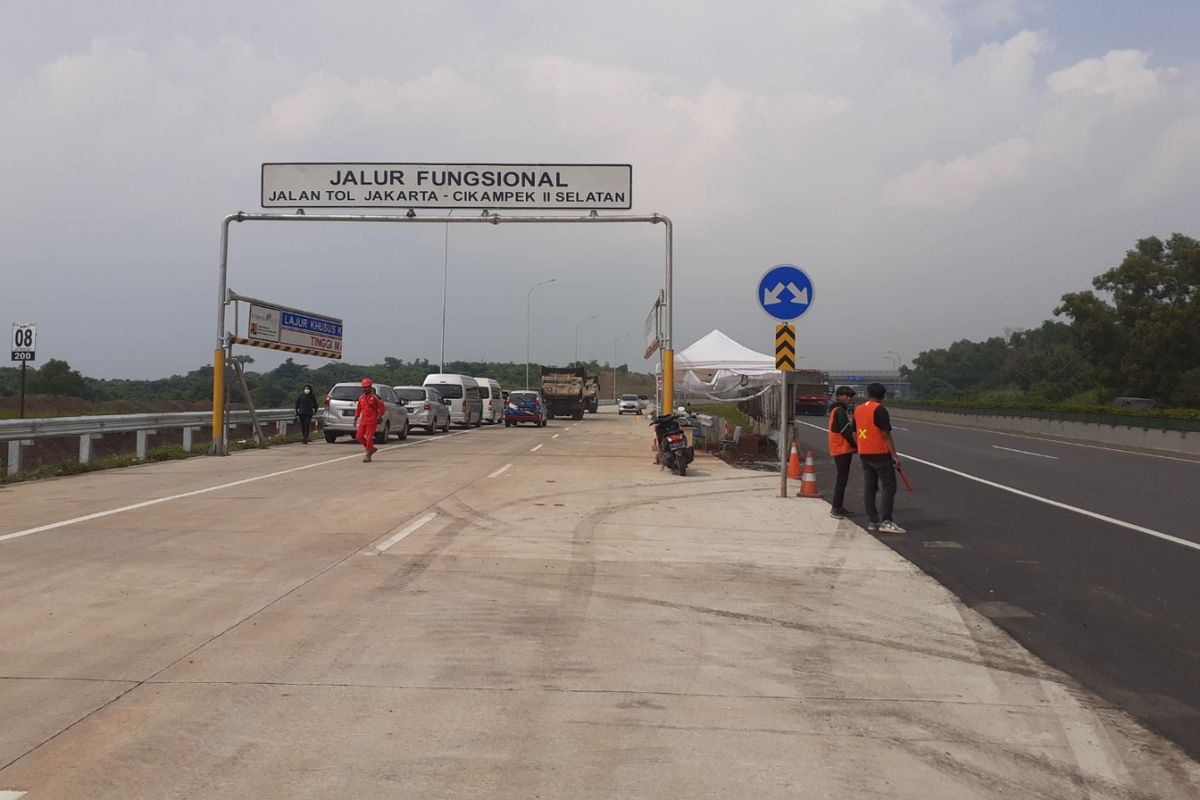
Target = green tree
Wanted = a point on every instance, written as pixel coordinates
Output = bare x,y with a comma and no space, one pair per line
1141,323
56,377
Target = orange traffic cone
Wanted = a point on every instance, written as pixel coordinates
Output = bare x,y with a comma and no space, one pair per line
794,463
808,482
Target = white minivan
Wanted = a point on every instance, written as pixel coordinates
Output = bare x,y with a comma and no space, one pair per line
461,394
492,397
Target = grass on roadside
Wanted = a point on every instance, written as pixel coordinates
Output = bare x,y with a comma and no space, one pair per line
119,460
729,413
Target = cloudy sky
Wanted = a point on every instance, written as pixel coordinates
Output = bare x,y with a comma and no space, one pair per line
942,168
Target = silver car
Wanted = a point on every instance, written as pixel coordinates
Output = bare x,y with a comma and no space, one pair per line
342,401
629,403
426,408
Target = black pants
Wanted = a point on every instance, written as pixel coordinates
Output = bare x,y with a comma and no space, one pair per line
305,425
843,476
878,470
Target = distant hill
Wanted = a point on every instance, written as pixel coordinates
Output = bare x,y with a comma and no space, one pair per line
56,390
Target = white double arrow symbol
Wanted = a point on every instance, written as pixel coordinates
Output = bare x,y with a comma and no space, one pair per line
771,296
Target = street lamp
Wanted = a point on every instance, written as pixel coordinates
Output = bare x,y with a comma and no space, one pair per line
577,324
617,339
895,360
445,275
898,362
528,297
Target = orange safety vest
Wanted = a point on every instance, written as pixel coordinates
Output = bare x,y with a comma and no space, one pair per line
838,446
870,438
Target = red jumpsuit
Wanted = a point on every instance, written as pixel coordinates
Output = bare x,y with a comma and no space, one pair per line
370,409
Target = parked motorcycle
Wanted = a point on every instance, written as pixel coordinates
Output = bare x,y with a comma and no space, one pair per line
673,449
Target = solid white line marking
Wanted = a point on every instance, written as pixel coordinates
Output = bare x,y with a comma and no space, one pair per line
182,495
1024,452
405,531
9,795
539,447
500,471
555,436
1166,537
1111,520
1056,441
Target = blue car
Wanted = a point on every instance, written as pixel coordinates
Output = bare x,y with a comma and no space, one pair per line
525,407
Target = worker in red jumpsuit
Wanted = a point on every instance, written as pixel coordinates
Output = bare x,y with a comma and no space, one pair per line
367,415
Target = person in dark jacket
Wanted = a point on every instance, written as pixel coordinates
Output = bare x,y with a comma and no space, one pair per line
306,407
842,446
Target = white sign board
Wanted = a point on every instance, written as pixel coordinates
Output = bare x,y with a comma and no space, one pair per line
24,341
264,323
582,187
654,329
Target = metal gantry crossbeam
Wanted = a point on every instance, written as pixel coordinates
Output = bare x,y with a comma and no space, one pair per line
667,359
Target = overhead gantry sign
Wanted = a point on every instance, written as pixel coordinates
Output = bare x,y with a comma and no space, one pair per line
579,187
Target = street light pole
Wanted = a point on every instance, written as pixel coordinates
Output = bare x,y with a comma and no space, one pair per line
617,339
577,324
898,362
445,274
528,297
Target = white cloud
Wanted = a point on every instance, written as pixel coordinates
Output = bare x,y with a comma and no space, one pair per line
305,111
958,182
773,131
1120,74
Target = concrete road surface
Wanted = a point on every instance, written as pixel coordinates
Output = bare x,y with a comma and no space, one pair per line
1088,555
510,613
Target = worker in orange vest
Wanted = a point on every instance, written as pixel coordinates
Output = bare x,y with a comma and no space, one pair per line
842,444
367,413
877,452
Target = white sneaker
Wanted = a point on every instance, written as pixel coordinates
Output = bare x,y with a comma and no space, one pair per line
887,526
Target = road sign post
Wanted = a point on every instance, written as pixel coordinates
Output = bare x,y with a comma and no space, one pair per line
785,362
24,343
785,293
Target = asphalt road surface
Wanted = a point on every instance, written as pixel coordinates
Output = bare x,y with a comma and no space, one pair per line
1087,555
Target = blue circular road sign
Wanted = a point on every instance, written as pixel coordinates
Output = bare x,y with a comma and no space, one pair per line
785,292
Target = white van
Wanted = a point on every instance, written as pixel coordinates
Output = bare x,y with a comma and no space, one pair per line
461,394
492,397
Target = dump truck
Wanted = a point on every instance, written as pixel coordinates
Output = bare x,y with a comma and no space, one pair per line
810,392
591,393
562,389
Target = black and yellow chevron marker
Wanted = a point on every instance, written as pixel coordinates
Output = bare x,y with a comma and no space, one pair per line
785,347
287,348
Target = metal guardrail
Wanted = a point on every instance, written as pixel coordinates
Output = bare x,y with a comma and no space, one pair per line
22,432
1116,420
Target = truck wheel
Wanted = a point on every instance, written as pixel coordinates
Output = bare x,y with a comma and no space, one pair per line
382,437
404,431
330,437
431,428
578,415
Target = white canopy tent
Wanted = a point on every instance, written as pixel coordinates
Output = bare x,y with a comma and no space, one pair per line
719,368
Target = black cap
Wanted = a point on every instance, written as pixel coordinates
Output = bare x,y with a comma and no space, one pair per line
846,390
